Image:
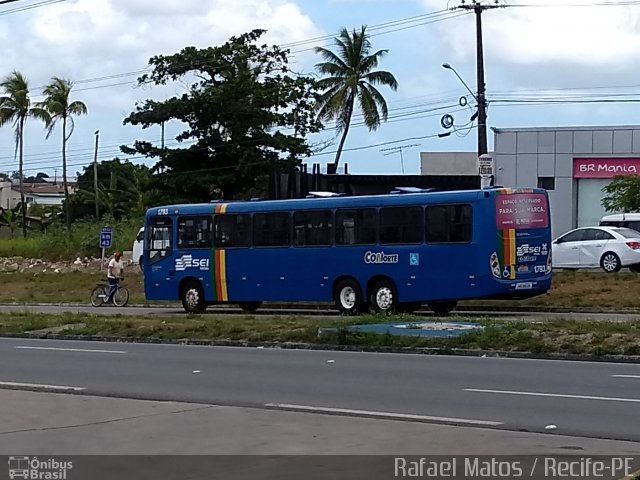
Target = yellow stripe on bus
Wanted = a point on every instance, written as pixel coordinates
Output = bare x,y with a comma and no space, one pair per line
223,276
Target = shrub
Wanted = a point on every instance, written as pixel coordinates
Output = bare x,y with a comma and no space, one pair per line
56,243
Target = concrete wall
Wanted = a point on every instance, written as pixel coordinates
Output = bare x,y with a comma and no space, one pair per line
524,154
8,197
448,163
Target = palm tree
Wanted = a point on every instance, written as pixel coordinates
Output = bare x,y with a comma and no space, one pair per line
58,105
15,106
351,76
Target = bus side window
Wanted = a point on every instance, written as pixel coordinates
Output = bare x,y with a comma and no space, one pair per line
232,230
272,229
312,228
448,223
401,225
356,227
194,232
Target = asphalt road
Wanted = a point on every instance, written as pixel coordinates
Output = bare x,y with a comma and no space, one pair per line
135,310
599,400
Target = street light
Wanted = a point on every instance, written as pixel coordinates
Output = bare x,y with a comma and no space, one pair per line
449,67
485,163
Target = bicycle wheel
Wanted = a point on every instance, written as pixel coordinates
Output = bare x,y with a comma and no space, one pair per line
121,297
98,295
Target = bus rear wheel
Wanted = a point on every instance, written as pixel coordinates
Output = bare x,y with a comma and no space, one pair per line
193,297
384,297
442,308
249,307
348,297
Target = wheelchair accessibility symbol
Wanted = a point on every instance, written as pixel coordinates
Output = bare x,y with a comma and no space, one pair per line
414,259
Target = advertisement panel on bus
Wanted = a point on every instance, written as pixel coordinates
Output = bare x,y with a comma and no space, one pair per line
523,235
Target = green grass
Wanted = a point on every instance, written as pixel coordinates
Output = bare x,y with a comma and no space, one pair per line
597,291
553,337
65,287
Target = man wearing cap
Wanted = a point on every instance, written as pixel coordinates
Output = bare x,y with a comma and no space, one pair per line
114,272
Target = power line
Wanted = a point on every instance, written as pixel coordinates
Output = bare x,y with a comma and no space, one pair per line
28,7
440,15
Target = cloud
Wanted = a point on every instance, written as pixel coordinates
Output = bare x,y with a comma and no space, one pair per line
83,39
90,39
546,32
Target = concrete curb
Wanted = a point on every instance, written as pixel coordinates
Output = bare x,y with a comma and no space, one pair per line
330,307
633,359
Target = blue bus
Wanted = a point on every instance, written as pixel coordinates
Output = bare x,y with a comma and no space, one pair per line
385,253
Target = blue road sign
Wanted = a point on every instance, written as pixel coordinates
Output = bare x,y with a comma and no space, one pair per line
106,237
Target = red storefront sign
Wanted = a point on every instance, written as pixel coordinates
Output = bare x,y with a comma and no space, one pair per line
605,167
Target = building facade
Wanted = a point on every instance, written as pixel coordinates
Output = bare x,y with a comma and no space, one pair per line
44,193
573,163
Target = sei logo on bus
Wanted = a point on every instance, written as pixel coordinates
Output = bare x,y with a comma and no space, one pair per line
187,261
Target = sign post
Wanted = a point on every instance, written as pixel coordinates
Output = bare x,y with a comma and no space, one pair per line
485,170
106,239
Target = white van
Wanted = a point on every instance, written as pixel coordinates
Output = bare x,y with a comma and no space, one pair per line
626,220
136,256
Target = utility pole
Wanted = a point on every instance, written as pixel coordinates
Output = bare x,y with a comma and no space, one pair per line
95,173
478,8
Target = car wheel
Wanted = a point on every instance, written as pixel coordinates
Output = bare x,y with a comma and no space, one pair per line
442,308
635,268
140,265
193,298
610,262
348,297
384,297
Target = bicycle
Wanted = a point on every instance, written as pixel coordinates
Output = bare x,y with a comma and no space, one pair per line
100,295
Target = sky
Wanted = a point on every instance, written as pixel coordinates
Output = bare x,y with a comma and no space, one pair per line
547,63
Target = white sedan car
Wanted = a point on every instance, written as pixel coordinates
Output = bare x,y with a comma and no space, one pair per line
609,248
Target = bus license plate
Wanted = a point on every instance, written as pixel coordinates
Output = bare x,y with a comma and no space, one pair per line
524,286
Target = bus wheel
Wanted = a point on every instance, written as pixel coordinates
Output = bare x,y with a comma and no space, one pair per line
348,297
442,308
249,307
193,298
383,297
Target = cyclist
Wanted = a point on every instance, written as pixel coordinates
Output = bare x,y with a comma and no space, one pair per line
114,274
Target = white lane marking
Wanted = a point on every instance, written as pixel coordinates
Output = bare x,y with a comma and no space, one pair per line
42,386
389,415
626,376
554,395
86,350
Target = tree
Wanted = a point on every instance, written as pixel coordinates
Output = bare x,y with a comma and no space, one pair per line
40,177
10,217
124,189
235,113
15,106
351,76
60,107
623,194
